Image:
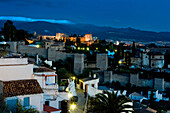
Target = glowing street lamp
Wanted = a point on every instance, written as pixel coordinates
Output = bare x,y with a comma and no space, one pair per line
74,78
72,106
70,95
120,62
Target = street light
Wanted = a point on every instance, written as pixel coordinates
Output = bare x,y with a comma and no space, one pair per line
70,95
74,78
72,106
120,62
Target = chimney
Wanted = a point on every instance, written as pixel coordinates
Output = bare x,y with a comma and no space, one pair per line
94,76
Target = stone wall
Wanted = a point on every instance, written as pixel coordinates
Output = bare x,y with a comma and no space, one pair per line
50,53
102,61
62,55
167,84
13,46
78,63
122,78
145,83
32,51
159,84
134,80
108,76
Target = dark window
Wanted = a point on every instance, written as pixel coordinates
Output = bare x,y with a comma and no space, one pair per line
12,105
152,56
92,85
26,101
47,103
152,64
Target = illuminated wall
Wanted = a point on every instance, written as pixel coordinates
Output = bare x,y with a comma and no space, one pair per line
59,36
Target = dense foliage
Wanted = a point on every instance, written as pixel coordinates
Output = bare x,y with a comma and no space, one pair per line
109,103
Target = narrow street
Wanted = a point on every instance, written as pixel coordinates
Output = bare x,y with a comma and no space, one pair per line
81,101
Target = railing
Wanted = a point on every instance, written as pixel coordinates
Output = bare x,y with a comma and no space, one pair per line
51,86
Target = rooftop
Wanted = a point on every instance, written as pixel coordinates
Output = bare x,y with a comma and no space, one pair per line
21,87
50,109
139,108
43,69
136,94
88,79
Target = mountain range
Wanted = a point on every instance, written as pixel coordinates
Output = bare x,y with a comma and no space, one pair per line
109,33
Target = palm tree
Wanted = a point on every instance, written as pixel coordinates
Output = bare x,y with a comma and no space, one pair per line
110,103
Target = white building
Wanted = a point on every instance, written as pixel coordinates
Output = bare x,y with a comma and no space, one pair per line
27,92
48,81
15,69
156,59
136,96
153,59
90,81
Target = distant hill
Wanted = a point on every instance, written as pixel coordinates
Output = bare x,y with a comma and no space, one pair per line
46,28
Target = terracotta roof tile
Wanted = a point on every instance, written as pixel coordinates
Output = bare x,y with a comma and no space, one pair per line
43,69
21,87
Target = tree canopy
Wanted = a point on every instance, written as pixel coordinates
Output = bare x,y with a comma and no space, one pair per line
110,103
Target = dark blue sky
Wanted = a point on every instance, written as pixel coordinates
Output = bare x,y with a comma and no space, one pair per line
141,14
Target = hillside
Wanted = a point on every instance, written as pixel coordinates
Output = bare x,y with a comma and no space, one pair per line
46,28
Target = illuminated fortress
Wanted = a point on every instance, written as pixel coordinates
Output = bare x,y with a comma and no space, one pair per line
87,39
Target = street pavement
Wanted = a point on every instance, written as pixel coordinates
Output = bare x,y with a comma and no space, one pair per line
81,101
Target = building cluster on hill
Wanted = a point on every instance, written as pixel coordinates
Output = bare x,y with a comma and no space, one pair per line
138,71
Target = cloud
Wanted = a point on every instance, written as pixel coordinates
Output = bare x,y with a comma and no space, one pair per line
25,19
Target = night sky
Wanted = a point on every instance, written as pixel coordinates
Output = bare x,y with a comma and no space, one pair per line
153,15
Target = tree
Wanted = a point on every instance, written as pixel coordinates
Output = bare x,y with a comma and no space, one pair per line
62,73
9,31
133,49
110,103
22,109
78,42
21,35
152,100
3,106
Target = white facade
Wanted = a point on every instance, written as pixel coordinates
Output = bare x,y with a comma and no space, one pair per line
153,60
41,80
157,95
91,83
157,61
51,93
145,58
136,96
35,101
93,91
15,69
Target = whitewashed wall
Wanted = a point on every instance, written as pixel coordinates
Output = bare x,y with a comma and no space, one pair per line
16,72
